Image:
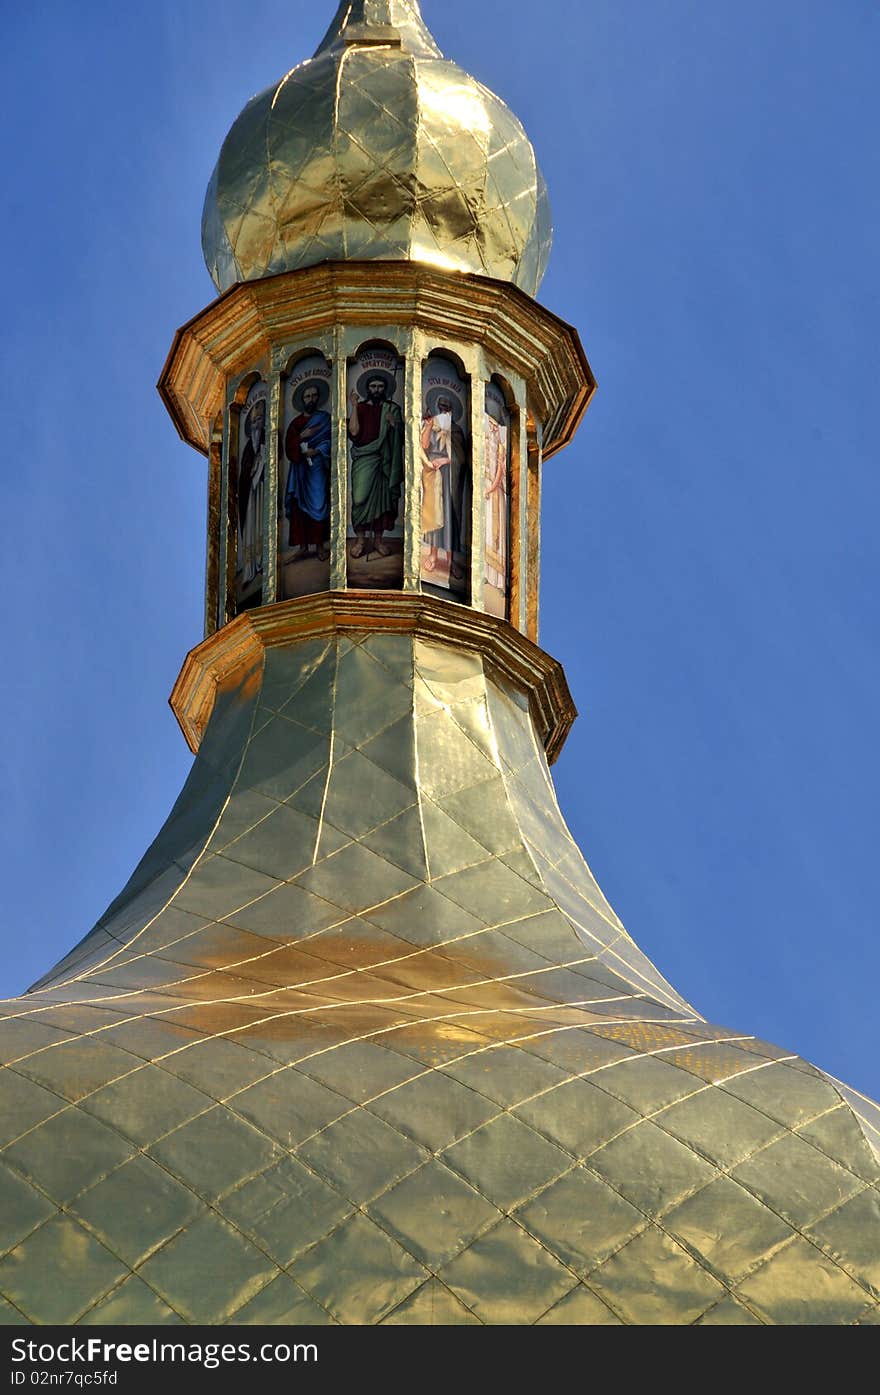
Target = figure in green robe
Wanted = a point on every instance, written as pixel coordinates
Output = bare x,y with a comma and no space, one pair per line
375,428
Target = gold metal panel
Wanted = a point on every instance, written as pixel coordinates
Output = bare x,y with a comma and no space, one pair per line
797,1282
24,1105
847,1236
435,1041
146,1104
838,1134
424,917
357,944
148,1037
361,1155
215,1152
579,1052
282,842
507,1161
431,1305
136,1209
433,1110
787,1095
80,1068
651,1169
208,1246
580,1307
719,1126
81,1270
22,1209
727,1228
360,796
648,1083
356,876
24,1035
434,1214
223,887
729,1313
359,1274
401,840
796,1180
361,1070
579,1116
288,913
368,702
505,1276
282,1303
290,1109
132,1302
715,1060
282,757
67,1153
652,1280
491,890
285,1210
581,1219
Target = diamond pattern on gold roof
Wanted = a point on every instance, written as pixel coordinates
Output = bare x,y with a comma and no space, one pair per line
340,1053
377,148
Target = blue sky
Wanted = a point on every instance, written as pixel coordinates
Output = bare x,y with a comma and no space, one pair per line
710,558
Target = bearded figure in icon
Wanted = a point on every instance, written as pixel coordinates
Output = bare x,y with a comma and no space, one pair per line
375,430
307,443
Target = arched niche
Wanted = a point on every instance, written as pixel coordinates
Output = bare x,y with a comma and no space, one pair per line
248,470
532,511
305,472
375,432
446,491
213,617
499,483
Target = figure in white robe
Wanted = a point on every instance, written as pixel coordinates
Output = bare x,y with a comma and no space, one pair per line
251,483
436,451
495,526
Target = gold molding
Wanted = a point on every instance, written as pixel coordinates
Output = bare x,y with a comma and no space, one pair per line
234,654
246,322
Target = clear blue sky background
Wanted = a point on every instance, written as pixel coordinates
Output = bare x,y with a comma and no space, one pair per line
710,540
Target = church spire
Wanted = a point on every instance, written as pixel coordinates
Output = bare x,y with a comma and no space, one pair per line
391,22
362,1041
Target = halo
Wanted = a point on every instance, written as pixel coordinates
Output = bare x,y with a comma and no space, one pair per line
323,393
258,402
433,398
388,378
257,392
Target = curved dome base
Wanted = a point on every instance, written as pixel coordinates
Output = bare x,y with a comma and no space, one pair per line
363,1042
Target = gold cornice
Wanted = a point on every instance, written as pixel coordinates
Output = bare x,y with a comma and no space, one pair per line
234,655
242,325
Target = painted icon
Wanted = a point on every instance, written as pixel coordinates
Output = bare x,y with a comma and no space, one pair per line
444,448
376,465
307,440
496,487
251,482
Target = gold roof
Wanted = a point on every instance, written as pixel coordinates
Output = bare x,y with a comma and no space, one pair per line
362,1042
377,148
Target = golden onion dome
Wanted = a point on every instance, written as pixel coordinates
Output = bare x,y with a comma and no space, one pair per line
377,148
